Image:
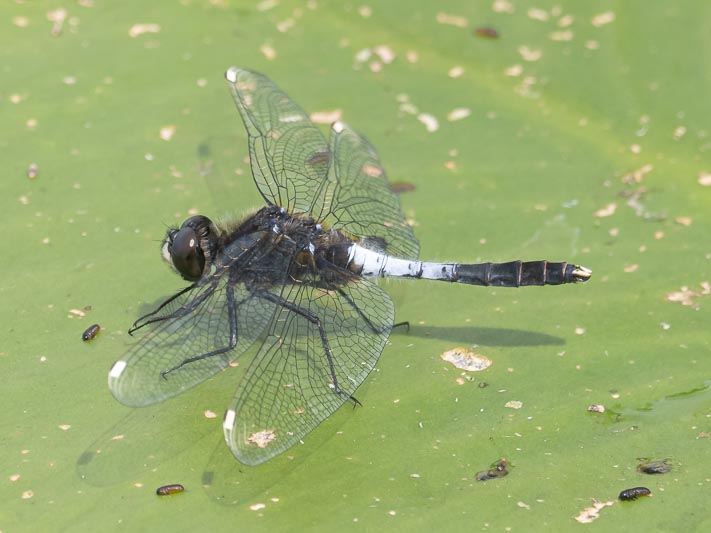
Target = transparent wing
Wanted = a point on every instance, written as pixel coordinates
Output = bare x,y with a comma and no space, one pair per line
289,388
342,182
288,154
363,203
194,323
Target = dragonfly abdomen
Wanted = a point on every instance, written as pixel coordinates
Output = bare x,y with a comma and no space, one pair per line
520,273
370,263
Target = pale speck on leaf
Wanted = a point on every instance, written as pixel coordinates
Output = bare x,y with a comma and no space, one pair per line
513,404
57,18
565,21
262,438
285,25
466,359
538,14
326,117
705,179
139,29
606,211
687,297
514,70
530,54
431,123
502,6
458,114
455,72
636,176
363,55
266,5
365,11
565,35
167,132
603,18
589,514
268,51
385,53
452,20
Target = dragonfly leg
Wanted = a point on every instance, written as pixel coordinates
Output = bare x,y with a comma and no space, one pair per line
316,321
400,324
373,328
146,319
232,316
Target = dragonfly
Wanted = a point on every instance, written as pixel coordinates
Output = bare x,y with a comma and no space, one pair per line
296,280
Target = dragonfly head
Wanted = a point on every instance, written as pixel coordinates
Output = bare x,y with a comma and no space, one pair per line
190,249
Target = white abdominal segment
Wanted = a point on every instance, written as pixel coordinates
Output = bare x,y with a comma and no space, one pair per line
377,265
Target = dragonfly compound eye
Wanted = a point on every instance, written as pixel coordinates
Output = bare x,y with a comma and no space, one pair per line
187,255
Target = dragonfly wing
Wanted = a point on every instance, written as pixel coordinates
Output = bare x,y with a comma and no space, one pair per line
289,388
196,322
288,154
363,203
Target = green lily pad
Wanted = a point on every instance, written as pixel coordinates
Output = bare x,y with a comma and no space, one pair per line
580,133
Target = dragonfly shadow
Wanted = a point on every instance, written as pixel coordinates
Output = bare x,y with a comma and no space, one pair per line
228,482
483,336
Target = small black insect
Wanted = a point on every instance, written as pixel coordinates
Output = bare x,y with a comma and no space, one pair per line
91,332
653,467
629,495
496,471
166,490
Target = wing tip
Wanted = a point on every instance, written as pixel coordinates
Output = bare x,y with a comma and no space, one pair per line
116,371
232,73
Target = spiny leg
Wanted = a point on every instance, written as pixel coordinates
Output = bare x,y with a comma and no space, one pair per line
136,327
232,317
377,331
316,321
